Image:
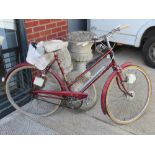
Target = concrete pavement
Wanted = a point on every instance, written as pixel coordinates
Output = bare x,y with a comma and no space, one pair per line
66,121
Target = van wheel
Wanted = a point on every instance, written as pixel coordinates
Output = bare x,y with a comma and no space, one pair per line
149,52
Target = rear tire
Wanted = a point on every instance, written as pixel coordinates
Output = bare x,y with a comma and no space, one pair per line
28,103
149,52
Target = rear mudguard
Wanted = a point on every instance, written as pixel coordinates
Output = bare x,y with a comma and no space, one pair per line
60,81
106,85
12,69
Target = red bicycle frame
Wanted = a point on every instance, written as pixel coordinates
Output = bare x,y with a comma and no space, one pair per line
67,92
66,86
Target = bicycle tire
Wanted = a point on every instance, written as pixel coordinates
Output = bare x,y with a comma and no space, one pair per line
115,111
24,109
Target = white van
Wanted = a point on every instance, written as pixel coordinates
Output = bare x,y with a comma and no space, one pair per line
140,33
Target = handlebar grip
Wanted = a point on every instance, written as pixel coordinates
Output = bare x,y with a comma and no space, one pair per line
124,27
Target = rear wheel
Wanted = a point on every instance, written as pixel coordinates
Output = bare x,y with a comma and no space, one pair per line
121,107
19,87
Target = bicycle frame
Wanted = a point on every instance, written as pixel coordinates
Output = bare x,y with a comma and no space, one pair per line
38,88
68,92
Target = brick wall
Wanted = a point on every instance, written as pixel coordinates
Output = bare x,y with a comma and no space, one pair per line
45,29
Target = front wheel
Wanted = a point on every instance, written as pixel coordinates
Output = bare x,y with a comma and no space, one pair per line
123,108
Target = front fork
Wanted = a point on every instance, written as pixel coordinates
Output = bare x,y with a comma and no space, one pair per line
119,79
120,82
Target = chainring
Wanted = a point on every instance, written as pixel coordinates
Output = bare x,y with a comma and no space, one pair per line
73,103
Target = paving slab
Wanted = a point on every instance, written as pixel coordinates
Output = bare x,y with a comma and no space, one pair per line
67,121
19,124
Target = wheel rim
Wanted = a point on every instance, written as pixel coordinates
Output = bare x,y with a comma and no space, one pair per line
152,52
32,105
123,109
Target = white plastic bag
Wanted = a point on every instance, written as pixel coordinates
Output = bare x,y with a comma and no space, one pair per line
40,48
38,60
43,54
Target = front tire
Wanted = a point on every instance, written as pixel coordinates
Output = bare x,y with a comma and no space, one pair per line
122,108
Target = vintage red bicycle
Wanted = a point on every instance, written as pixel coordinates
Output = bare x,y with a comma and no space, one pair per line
124,97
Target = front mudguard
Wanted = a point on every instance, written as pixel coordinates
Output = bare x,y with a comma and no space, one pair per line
106,85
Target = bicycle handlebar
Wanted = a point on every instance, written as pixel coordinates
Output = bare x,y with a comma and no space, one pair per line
124,27
118,28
